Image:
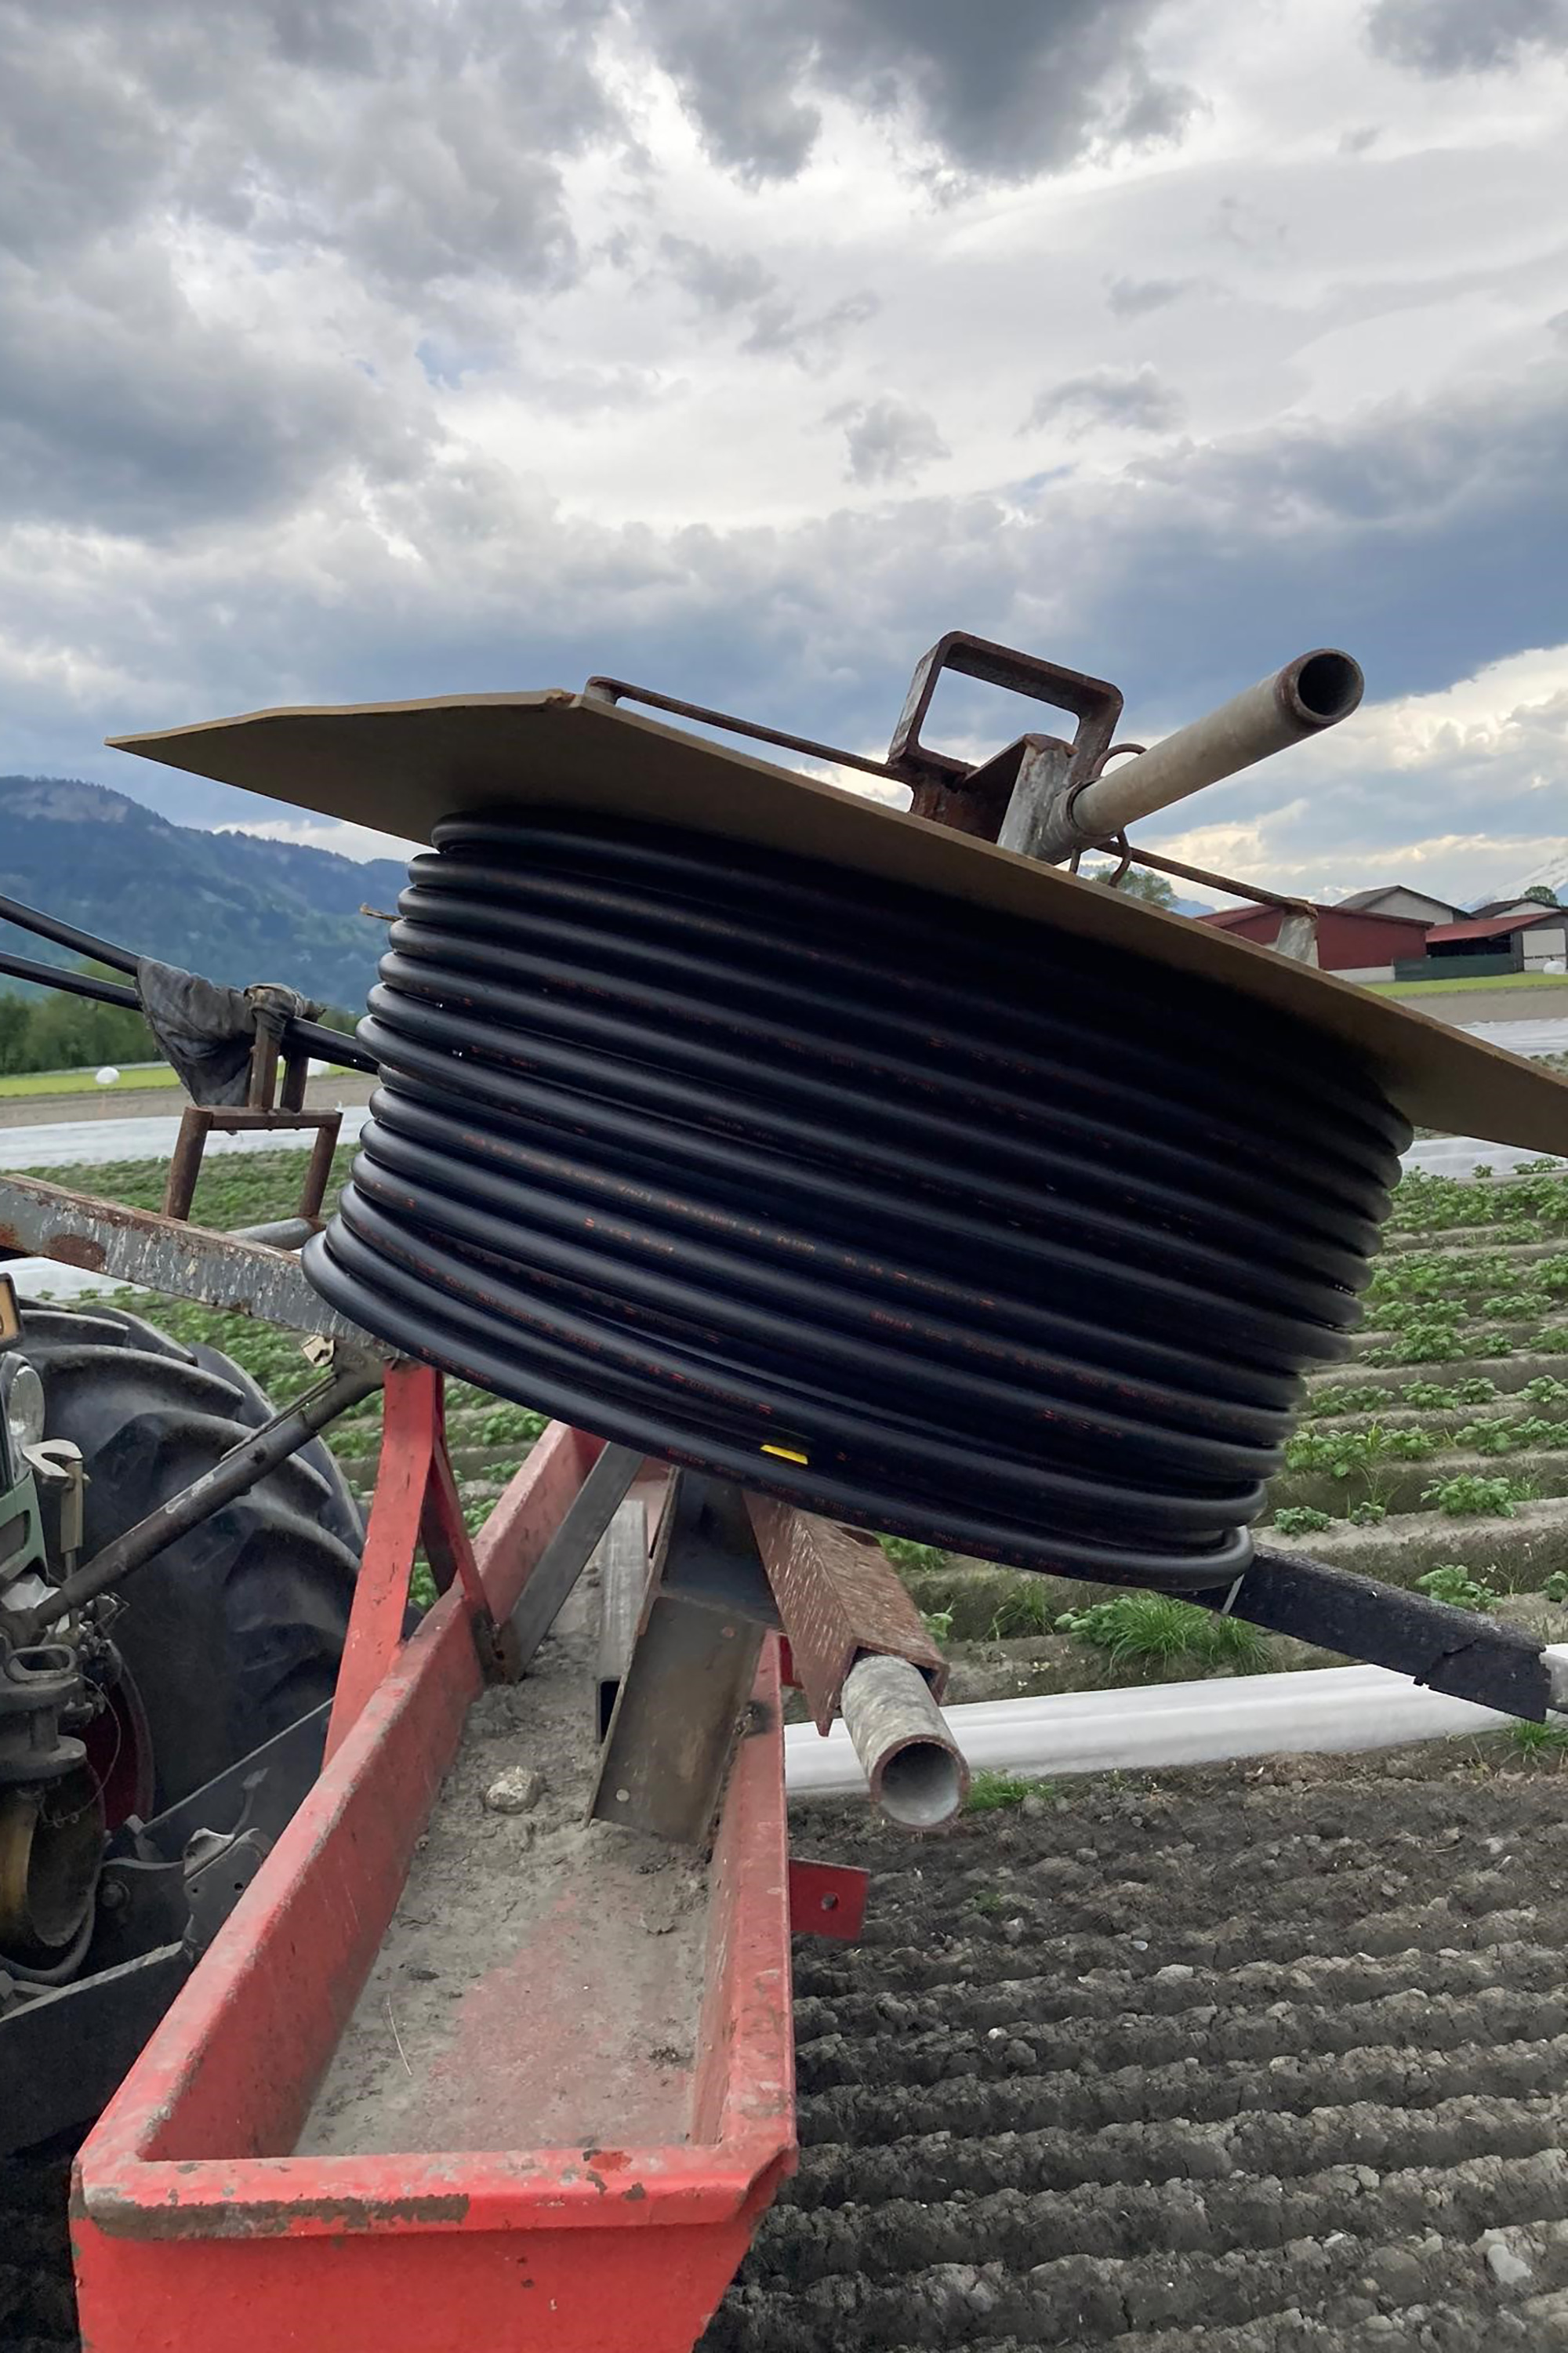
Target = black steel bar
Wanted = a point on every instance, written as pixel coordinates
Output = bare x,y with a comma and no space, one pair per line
570,1548
1449,1650
65,935
234,1474
74,984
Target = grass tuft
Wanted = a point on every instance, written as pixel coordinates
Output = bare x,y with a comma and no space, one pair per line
1152,1628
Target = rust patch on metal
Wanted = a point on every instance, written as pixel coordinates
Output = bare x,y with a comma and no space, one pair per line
77,1250
840,1600
272,2218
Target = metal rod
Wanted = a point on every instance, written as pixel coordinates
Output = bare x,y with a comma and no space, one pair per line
74,984
66,935
1314,692
570,1548
234,1474
911,1762
623,1561
618,689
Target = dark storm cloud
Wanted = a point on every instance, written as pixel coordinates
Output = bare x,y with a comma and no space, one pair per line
121,411
1017,88
1457,36
1133,398
417,144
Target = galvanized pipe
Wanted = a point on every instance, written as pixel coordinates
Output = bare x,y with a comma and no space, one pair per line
1314,692
912,1764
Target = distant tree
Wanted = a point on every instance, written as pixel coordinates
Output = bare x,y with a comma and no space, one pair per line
1542,891
1138,883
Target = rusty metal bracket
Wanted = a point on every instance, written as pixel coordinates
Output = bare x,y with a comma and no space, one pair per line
198,1120
950,791
840,1600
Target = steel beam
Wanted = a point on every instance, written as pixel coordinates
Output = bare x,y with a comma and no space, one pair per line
1449,1650
39,1220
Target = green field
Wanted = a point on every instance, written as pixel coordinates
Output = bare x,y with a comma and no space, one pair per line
85,1082
1458,986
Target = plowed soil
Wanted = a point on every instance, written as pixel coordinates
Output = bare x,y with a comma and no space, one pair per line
1252,2061
1261,2059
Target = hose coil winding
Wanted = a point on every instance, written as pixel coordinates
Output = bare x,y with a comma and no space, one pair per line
931,1220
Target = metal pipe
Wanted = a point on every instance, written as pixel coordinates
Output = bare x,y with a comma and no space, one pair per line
234,1474
1314,692
570,1548
66,935
912,1764
1331,1710
73,984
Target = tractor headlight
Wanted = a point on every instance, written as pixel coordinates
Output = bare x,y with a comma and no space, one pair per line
22,1397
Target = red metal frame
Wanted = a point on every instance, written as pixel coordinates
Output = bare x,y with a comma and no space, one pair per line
416,1498
194,2226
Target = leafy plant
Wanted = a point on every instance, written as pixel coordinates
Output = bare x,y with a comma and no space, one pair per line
1300,1520
1345,1400
1556,1586
1476,1390
1152,1626
906,1553
990,1901
1428,1343
1545,1390
1516,1304
1552,1342
938,1623
1470,1496
992,1793
1366,1514
1454,1584
1428,1395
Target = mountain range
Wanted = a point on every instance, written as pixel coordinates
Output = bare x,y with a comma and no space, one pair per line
235,906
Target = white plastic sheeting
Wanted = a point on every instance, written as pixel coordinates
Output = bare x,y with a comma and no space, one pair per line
1315,1712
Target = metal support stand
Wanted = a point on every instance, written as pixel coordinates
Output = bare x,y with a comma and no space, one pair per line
416,1503
729,1568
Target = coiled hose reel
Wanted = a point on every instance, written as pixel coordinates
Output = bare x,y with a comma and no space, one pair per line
912,1214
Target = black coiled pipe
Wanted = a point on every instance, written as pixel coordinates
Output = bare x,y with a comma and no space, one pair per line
929,1219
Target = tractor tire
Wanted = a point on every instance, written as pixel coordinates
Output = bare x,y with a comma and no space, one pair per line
234,1630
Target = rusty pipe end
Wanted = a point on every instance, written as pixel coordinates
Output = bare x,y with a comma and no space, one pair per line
1319,689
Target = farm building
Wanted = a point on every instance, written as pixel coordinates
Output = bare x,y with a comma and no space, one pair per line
1399,899
1357,945
1530,939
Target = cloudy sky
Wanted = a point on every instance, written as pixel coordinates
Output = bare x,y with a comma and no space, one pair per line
352,348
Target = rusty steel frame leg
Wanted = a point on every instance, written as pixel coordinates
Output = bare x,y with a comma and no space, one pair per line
415,1502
